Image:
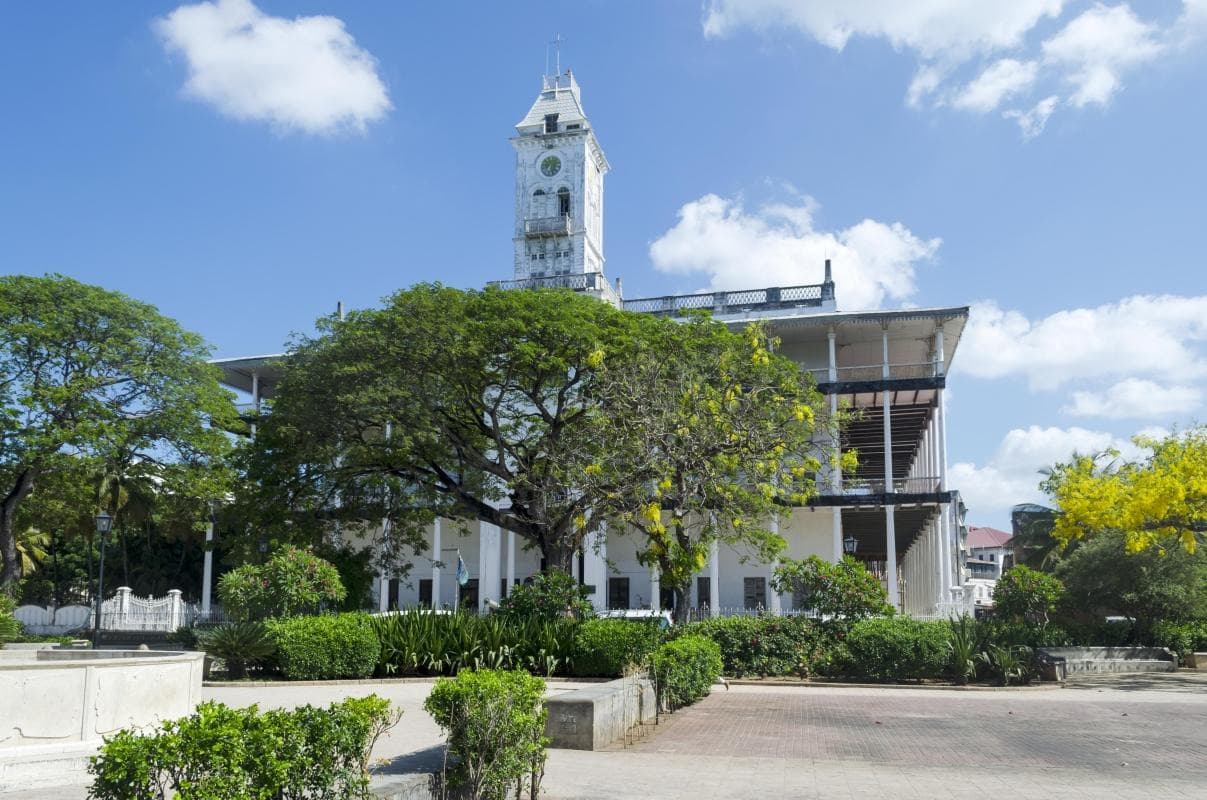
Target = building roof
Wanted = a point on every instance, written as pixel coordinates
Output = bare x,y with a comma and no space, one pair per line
559,95
987,537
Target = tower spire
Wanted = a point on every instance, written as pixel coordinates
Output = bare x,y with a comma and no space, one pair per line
556,42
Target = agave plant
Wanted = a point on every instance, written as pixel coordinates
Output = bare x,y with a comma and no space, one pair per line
964,642
1010,663
238,645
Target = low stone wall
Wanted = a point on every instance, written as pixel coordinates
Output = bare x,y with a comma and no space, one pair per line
600,714
1060,662
56,705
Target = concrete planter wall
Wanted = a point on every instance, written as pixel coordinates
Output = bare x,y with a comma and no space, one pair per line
57,705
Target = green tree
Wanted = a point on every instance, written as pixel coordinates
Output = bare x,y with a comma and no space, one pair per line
86,372
1102,577
1024,594
713,433
845,590
1155,502
457,404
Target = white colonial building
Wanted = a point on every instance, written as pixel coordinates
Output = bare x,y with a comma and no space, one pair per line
896,512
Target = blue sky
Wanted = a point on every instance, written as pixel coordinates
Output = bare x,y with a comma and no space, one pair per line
1041,160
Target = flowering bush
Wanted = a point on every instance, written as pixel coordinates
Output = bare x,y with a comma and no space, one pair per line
292,582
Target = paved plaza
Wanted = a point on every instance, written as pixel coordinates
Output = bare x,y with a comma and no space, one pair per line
1118,737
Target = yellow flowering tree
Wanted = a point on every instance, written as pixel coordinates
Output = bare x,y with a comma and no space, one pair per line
714,433
1156,502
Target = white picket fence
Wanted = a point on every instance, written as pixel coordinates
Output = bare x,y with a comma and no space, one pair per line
123,612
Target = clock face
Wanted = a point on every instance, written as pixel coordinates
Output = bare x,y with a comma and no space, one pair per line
550,166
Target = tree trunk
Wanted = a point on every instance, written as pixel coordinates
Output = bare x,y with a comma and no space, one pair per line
11,571
558,555
682,596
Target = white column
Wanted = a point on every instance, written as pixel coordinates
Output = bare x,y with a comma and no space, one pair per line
255,398
655,589
436,546
774,601
510,561
207,569
890,524
595,567
836,470
714,579
489,576
947,550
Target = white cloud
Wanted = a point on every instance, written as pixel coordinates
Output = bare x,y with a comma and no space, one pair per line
305,74
1138,399
1012,473
1001,79
1095,49
974,56
1032,122
933,28
1154,336
778,245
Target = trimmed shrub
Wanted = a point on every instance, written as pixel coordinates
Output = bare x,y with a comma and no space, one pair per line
239,645
685,670
292,582
605,647
767,645
325,647
1183,638
897,648
494,722
1020,633
1023,594
221,753
845,591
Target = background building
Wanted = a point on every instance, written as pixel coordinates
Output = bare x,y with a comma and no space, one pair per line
896,512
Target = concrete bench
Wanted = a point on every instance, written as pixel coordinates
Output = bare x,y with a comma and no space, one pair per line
1059,662
599,714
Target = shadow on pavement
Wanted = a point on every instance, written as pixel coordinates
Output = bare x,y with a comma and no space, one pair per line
1182,681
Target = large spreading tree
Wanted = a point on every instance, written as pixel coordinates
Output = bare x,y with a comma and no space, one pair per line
90,375
1155,502
444,403
547,413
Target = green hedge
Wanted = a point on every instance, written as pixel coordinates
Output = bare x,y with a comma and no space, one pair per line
897,648
767,645
686,669
10,629
1182,638
221,753
605,647
495,724
325,647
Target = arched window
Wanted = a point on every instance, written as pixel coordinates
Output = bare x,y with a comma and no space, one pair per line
563,201
538,204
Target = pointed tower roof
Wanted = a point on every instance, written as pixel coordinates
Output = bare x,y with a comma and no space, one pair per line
559,95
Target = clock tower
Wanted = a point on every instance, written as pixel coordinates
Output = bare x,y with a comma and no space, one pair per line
559,175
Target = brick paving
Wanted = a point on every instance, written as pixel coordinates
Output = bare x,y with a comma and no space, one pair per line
1095,740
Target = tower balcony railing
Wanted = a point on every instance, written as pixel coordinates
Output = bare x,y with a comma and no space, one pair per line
578,282
875,372
771,299
548,226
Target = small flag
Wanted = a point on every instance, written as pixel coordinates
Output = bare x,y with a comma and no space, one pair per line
462,572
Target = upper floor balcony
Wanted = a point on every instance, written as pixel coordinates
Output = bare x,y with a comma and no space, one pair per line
780,298
542,227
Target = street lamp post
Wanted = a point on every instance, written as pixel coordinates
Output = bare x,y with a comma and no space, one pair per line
103,523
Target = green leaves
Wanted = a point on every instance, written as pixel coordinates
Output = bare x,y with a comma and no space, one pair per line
89,373
495,724
845,591
293,581
221,753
